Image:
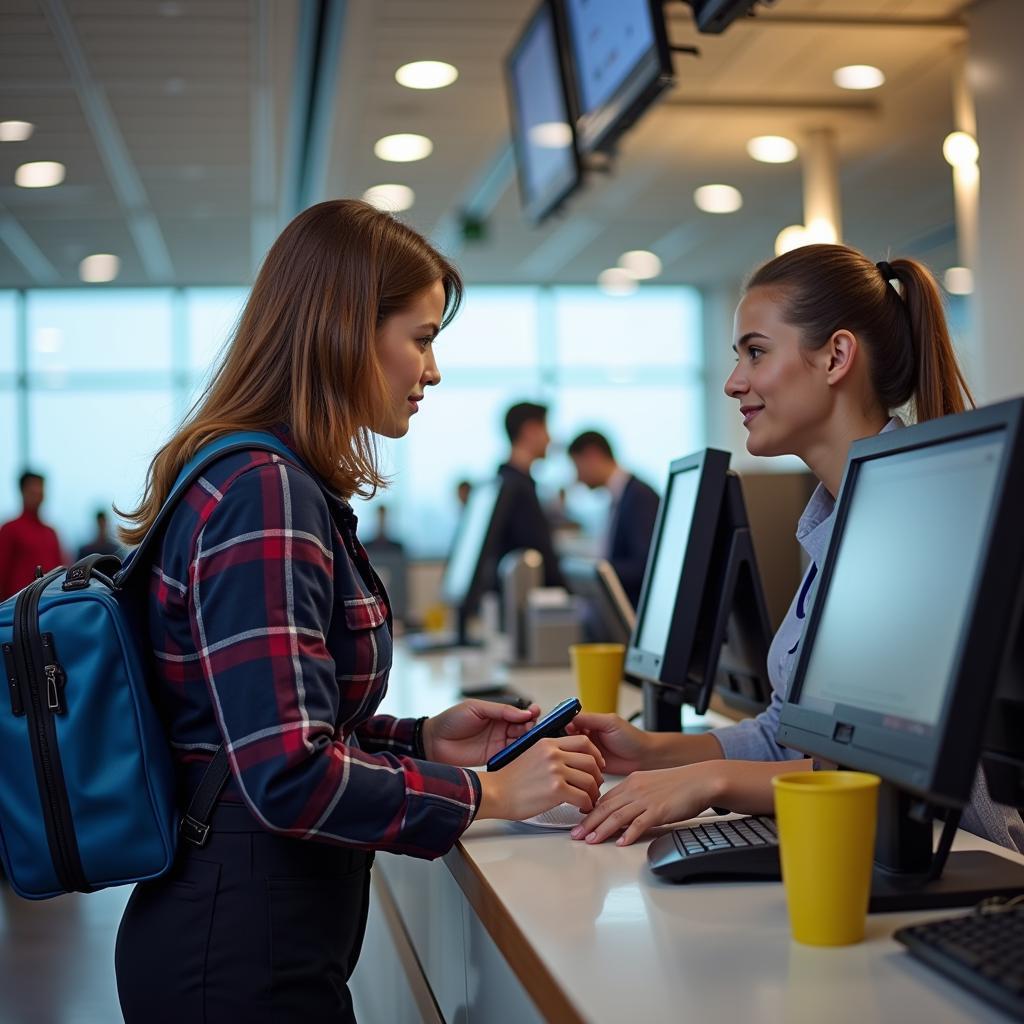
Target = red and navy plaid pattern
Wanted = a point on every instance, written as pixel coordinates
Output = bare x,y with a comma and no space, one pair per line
271,634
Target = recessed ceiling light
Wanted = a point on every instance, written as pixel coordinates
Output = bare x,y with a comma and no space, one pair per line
858,76
616,281
788,239
960,149
393,198
959,280
100,267
403,148
718,198
772,149
640,263
426,74
16,131
551,135
40,174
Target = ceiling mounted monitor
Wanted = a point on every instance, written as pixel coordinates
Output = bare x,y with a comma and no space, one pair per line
620,64
716,16
543,138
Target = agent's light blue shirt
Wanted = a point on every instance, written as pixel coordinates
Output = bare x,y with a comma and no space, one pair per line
754,739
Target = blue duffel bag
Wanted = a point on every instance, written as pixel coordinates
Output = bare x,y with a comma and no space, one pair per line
87,795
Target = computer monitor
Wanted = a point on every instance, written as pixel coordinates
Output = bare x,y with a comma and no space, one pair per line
543,135
905,639
717,15
610,615
702,624
472,564
620,64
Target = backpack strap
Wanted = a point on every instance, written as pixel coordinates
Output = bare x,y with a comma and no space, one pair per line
235,442
195,824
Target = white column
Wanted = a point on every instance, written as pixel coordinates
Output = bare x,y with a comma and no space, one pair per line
822,213
996,74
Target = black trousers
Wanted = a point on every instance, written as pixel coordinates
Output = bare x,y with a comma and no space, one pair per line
251,928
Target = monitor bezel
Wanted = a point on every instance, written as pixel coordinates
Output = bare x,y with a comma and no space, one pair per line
537,208
587,576
467,603
652,74
939,768
670,668
709,20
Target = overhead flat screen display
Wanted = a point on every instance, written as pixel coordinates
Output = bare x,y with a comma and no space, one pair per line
620,63
542,132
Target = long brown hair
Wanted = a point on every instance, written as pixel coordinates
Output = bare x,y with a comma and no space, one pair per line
303,352
827,288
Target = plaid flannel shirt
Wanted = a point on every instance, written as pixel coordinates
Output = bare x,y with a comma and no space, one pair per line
271,634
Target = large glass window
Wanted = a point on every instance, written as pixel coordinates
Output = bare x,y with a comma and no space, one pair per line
94,447
10,503
111,371
8,334
113,330
211,315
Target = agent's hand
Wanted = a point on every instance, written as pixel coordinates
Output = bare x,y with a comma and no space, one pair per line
473,731
647,799
626,748
566,770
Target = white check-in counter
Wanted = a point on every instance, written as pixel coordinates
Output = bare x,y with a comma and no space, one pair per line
519,925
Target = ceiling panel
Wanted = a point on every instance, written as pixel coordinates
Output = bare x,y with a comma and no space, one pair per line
179,79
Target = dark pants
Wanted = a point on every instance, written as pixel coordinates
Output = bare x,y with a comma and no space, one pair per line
252,927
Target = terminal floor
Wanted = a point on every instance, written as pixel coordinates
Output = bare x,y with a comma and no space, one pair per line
57,958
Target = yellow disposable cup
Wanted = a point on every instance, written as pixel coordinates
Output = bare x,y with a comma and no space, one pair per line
826,841
598,669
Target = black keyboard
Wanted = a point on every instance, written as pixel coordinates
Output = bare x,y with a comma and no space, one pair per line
746,848
983,951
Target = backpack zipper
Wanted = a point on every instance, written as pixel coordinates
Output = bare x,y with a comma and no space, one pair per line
43,702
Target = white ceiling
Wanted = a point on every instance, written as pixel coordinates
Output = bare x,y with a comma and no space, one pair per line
174,120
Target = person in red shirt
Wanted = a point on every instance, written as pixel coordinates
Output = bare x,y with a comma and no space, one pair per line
27,542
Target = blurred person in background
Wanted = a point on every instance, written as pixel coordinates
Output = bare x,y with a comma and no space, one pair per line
27,542
463,489
525,524
634,508
102,543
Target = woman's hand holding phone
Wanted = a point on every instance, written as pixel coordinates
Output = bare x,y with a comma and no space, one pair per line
565,769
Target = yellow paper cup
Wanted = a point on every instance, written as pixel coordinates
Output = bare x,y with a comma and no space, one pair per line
826,841
598,669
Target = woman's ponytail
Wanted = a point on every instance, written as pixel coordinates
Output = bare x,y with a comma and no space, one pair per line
940,387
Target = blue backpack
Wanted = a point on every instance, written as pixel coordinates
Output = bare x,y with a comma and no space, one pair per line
87,793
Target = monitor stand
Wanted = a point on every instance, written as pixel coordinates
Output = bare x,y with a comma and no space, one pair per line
663,708
905,864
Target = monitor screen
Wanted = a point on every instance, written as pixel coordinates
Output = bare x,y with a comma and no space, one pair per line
542,133
620,63
702,623
667,560
470,543
904,580
884,649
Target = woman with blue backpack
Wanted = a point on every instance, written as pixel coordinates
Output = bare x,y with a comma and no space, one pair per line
271,642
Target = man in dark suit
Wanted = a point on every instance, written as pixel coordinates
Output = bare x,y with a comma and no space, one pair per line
633,511
524,524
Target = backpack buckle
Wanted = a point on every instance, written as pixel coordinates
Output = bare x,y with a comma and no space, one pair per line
193,831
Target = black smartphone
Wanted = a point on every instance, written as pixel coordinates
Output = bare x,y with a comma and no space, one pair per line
552,724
